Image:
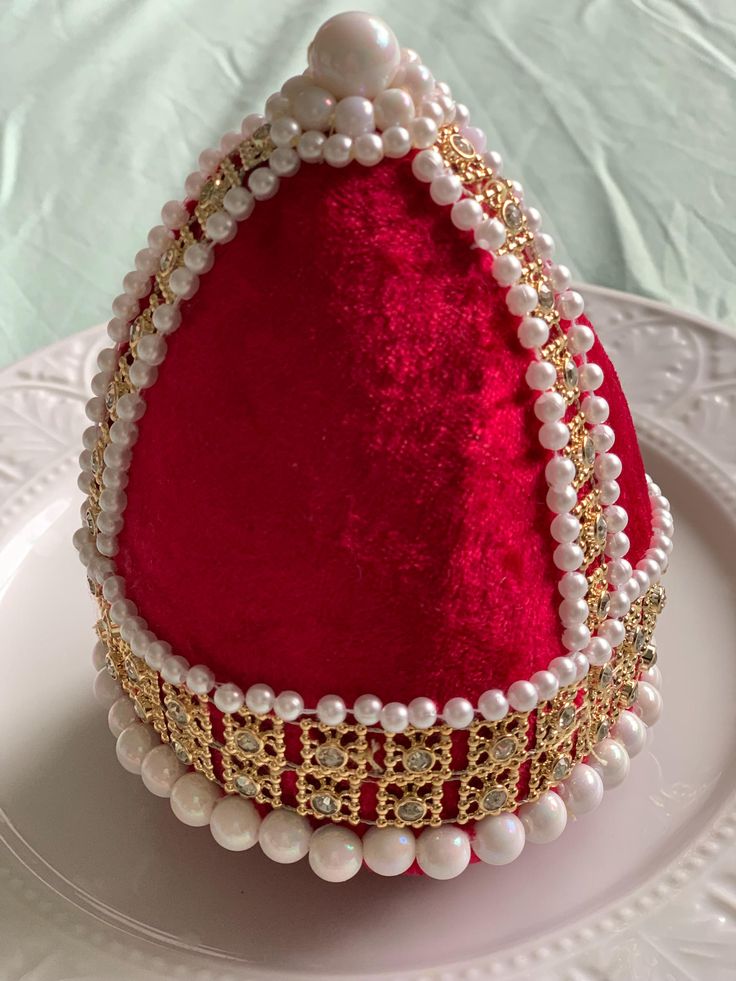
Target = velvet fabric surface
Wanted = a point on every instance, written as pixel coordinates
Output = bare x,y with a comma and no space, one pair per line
338,485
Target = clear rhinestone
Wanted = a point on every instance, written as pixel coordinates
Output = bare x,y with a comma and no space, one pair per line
512,216
248,742
604,602
601,528
181,754
629,692
110,398
504,748
411,809
656,600
640,639
649,656
562,767
494,799
606,676
570,375
177,711
418,760
131,669
566,717
96,461
89,520
603,729
546,297
324,804
110,665
331,756
462,146
139,710
168,259
245,786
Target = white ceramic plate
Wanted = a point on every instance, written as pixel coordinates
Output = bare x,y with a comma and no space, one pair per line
98,879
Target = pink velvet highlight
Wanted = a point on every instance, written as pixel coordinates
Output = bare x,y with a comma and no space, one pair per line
338,485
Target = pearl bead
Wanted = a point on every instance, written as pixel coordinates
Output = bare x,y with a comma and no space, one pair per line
598,651
613,631
221,226
367,710
263,184
565,528
617,545
335,853
560,470
595,409
546,684
573,611
631,731
476,136
603,438
174,214
560,277
389,851
166,319
193,798
157,653
106,689
238,203
152,347
462,115
493,705
147,261
99,654
95,409
174,669
288,706
354,54
466,214
609,492
121,715
159,238
545,245
533,332
116,456
234,824
570,304
422,713
444,852
368,149
616,518
582,792
582,666
124,433
418,79
284,131
200,679
113,590
107,545
653,677
137,284
544,819
521,299
337,150
209,160
562,499
611,761
522,696
533,219
490,234
493,161
564,670
331,710
540,375
554,435
394,717
354,115
393,107
396,141
260,699
499,839
506,269
311,146
591,377
580,339
648,703
445,189
277,105
427,165
284,836
193,187
313,108
423,132
132,745
113,500
619,572
576,637
160,770
607,467
619,603
458,713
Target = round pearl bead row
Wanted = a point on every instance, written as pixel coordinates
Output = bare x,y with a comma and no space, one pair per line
97,554
336,853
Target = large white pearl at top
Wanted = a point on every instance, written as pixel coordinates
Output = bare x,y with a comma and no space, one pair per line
582,792
444,852
389,851
335,853
354,54
132,745
284,836
611,760
161,769
192,799
234,823
544,819
499,839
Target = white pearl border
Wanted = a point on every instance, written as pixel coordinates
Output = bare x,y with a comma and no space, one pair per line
441,853
293,146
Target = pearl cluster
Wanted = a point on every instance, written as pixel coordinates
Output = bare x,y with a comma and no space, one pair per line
336,853
410,99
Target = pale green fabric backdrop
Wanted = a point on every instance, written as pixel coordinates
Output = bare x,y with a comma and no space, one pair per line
619,116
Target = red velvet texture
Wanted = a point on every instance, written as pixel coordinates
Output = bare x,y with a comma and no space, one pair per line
338,485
